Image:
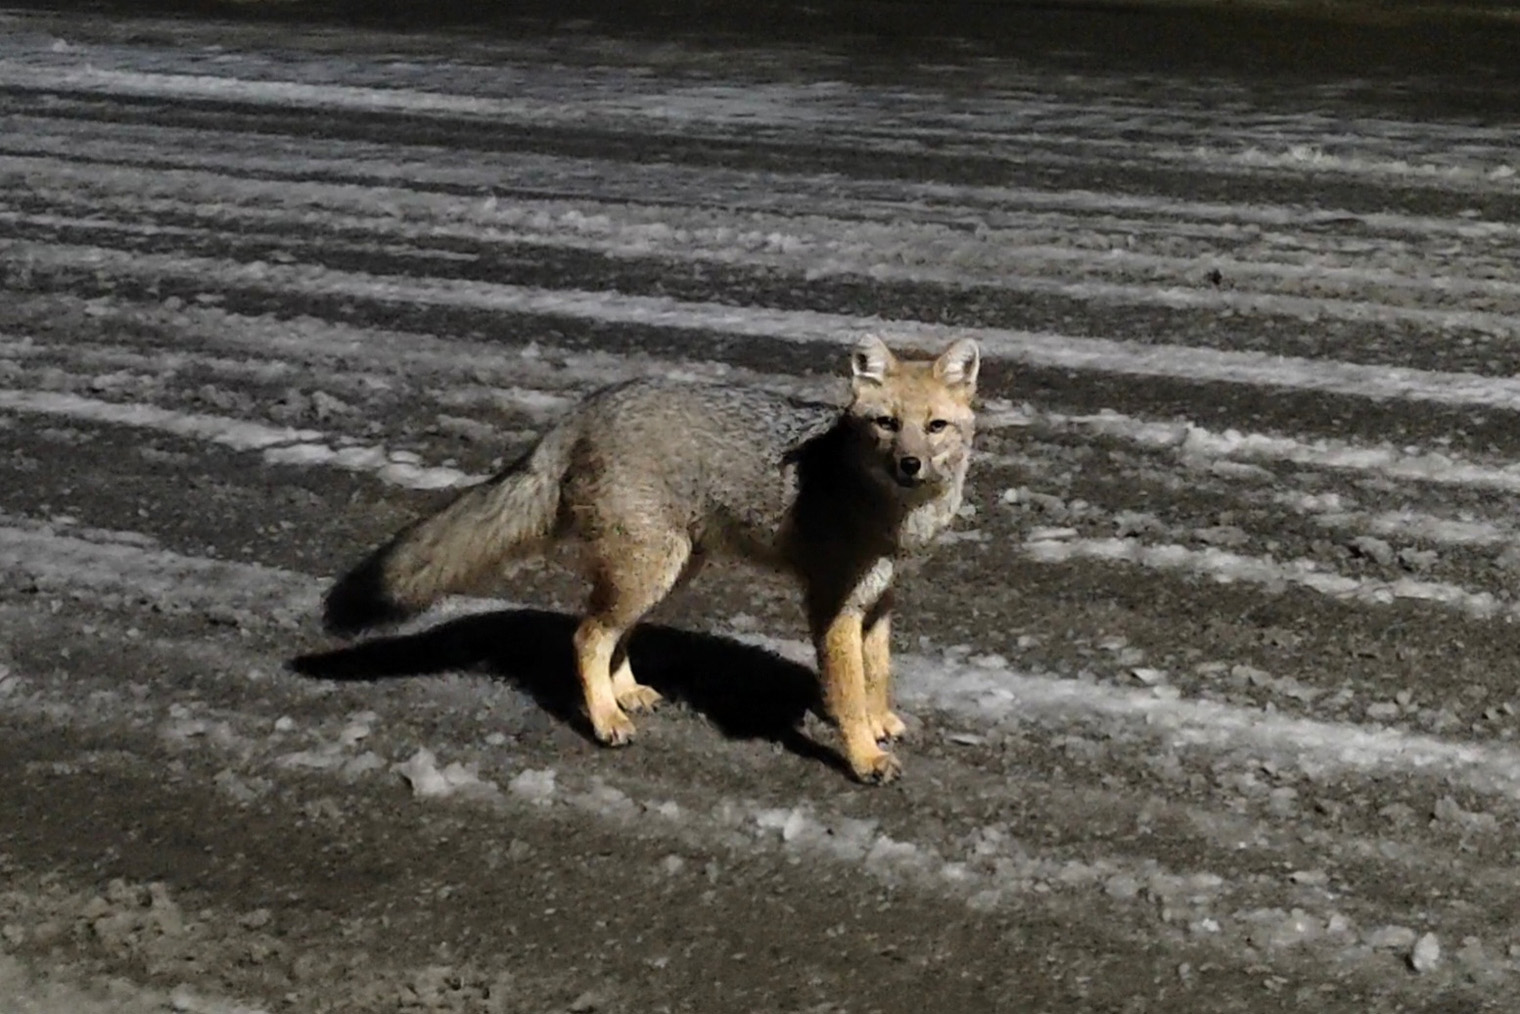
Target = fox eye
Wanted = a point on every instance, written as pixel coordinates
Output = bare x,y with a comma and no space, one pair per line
888,423
936,425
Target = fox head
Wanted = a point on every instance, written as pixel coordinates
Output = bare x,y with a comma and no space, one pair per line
915,415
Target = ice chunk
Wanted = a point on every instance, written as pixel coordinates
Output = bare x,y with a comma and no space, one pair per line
535,784
1426,955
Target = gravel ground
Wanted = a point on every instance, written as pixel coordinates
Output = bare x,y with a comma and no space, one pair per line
1211,693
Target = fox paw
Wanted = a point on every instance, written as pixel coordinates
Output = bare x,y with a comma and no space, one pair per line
887,726
613,728
638,698
877,769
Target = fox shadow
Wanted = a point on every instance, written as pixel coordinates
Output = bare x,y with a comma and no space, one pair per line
745,692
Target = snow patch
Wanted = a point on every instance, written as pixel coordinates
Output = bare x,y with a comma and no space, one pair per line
59,991
428,781
1188,439
534,785
279,446
1227,567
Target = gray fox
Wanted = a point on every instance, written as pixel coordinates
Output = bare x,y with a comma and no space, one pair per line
654,475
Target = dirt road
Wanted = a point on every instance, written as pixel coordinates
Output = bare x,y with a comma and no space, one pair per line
1213,687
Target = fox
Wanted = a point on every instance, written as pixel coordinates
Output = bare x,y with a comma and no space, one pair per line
655,476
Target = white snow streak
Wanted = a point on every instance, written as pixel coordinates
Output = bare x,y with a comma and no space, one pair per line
234,433
125,567
1227,568
278,446
1191,440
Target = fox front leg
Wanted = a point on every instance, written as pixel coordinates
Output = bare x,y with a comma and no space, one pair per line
877,656
841,659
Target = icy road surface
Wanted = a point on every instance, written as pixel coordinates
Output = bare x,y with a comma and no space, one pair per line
1214,689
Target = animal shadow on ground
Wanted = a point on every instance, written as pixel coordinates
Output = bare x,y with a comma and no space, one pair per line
744,691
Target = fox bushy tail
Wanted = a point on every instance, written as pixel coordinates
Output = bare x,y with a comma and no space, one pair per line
450,550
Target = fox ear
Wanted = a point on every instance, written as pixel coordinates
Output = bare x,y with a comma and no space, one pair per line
957,366
871,361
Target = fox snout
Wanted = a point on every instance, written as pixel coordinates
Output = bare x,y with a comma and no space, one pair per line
909,470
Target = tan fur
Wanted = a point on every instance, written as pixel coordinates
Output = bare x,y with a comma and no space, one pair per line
651,476
876,650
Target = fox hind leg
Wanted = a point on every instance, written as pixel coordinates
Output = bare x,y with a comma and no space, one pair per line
631,575
633,696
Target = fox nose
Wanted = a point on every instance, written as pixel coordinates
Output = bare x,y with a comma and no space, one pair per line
910,466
